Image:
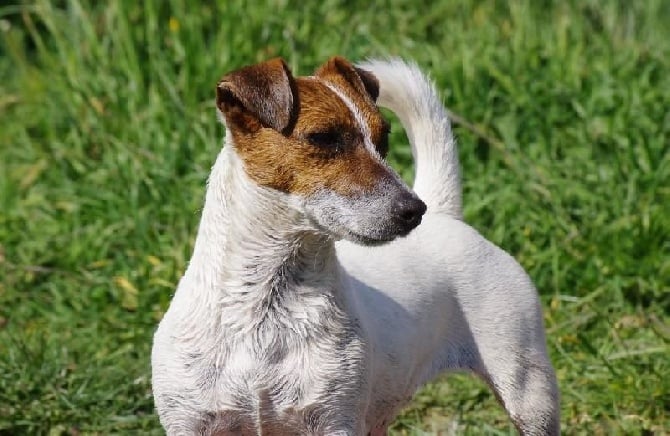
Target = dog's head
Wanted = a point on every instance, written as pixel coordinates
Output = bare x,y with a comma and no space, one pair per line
323,140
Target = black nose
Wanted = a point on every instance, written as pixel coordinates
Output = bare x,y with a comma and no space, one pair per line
408,211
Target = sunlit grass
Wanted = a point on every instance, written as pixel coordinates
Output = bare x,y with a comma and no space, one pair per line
107,133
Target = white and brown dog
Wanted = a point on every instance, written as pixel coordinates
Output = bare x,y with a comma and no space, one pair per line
278,329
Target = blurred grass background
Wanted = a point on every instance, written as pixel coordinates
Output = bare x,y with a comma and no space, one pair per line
107,132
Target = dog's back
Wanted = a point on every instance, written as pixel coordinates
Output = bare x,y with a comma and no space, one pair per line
443,297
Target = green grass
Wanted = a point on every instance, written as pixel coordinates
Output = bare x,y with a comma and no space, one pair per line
107,132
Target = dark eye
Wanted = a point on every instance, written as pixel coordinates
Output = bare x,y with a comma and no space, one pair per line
331,140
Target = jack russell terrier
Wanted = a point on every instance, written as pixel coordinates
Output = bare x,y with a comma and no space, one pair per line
314,302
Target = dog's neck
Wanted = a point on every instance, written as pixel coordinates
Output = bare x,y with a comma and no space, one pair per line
256,255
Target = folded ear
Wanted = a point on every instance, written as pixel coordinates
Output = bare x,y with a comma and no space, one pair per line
256,96
362,80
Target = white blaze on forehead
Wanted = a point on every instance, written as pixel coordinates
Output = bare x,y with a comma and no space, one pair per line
358,116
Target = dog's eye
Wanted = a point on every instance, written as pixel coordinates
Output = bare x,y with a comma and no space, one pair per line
330,140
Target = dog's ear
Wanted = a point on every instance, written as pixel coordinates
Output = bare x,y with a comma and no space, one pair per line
362,80
256,96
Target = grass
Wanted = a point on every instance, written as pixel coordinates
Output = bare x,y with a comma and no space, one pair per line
107,132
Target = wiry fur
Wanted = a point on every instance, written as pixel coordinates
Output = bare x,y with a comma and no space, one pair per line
257,335
274,329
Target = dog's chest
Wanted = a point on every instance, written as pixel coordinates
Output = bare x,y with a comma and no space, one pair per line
245,394
275,376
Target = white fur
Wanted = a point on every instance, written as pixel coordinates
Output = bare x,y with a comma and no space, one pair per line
225,341
276,329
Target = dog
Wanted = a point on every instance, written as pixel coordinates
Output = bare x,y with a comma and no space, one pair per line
323,291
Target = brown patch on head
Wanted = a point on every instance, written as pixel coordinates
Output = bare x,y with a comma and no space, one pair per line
297,135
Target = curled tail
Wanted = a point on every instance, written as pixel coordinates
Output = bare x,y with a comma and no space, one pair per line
407,92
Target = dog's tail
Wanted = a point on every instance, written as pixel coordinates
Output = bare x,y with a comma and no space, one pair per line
407,92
